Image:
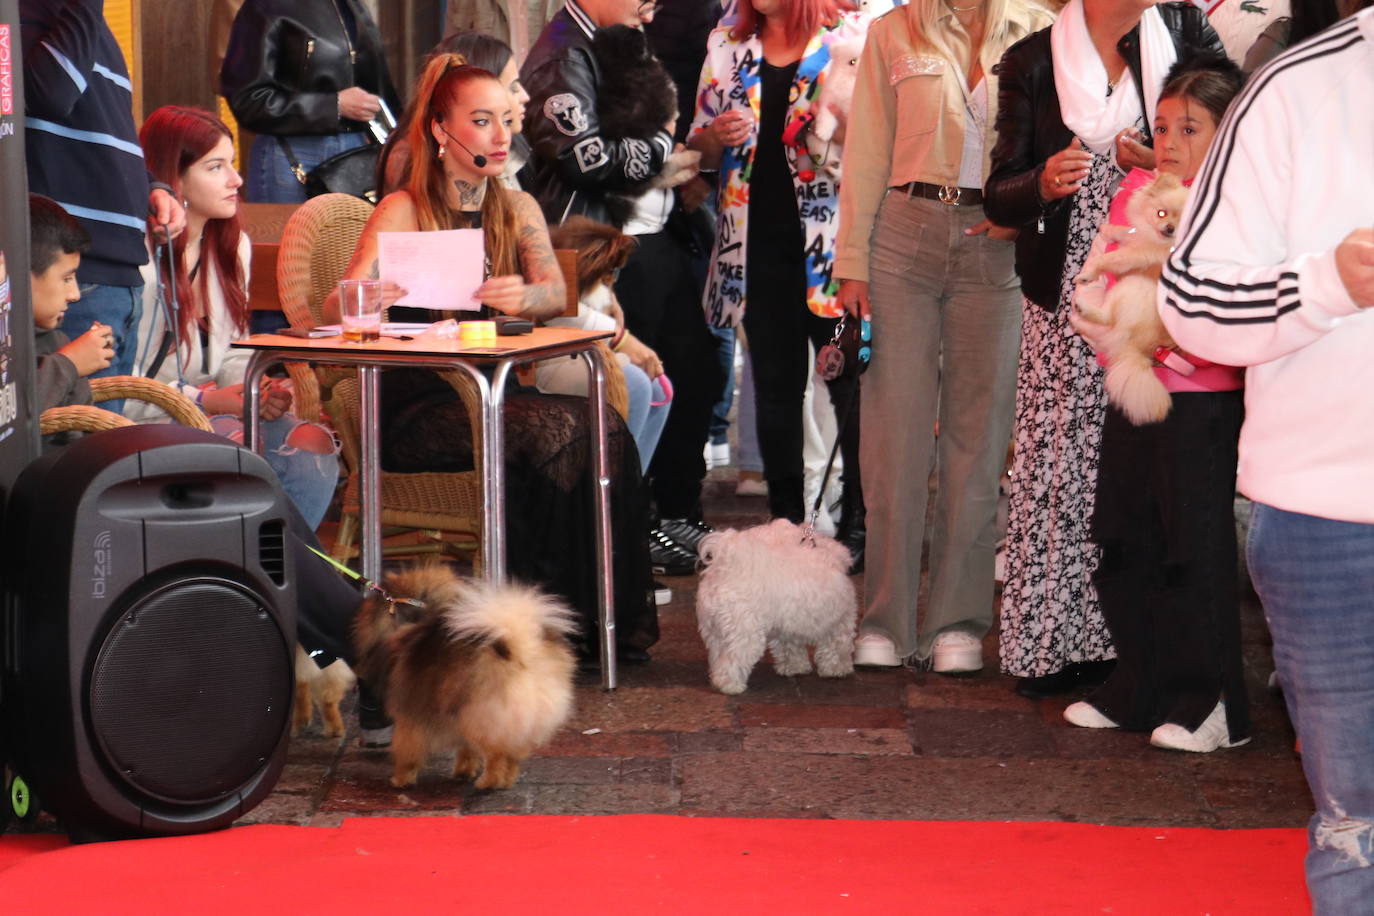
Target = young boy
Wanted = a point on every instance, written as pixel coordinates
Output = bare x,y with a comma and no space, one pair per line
56,241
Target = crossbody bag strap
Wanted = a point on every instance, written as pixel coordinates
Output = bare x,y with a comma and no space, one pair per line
291,160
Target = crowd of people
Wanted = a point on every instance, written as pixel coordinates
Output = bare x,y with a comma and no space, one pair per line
949,173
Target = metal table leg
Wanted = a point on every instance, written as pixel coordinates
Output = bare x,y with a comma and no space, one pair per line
370,474
601,476
258,363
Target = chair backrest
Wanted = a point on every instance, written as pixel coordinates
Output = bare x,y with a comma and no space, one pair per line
263,223
316,247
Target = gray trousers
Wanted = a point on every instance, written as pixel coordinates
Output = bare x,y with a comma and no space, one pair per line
946,331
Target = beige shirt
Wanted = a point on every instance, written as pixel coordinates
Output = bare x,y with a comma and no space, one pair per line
908,117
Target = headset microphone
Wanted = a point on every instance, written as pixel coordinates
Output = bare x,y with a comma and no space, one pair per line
477,158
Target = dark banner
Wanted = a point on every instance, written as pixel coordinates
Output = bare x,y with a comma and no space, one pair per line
18,425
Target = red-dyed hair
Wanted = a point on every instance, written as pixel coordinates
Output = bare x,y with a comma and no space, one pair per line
804,18
174,138
438,89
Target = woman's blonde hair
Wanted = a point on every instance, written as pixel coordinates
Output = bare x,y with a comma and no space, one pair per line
438,89
924,18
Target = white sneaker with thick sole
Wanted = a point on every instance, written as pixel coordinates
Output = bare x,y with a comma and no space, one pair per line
1086,715
956,652
1210,735
875,651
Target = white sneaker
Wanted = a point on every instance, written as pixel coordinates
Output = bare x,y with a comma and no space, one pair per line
1210,735
875,651
1086,715
717,455
956,652
662,594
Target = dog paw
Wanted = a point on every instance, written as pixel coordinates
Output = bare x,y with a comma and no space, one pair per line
403,781
835,670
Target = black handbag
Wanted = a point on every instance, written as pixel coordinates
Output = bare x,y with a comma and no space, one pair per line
849,351
353,171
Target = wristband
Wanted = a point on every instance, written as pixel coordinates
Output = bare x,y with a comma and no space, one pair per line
200,397
618,341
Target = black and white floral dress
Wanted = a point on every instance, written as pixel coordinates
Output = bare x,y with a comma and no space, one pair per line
1050,616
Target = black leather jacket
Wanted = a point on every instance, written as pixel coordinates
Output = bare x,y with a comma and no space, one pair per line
1030,130
574,166
288,60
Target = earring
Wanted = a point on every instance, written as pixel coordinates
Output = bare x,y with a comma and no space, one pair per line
442,150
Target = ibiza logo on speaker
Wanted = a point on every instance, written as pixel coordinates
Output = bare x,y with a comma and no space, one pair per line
103,557
6,73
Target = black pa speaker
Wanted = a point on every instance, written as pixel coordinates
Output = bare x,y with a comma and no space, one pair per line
148,632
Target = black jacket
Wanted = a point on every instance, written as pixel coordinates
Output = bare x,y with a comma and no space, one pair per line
574,166
1030,130
288,60
57,381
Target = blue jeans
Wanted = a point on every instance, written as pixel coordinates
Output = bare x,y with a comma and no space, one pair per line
1315,578
120,307
308,478
269,177
720,414
647,414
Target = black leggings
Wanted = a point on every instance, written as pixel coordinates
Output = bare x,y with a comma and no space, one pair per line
779,324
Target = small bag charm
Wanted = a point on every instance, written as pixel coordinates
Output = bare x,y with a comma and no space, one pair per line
849,351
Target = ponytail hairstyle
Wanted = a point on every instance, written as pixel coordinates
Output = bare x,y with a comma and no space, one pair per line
174,138
1206,77
440,87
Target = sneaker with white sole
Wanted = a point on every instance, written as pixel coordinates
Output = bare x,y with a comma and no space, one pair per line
876,651
956,652
1086,715
662,594
1209,736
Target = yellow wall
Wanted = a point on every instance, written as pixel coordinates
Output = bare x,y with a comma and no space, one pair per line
122,15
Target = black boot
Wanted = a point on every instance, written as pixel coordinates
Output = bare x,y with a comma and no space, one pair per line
852,532
786,499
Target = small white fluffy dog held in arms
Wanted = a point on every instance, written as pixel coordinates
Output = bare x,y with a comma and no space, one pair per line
769,587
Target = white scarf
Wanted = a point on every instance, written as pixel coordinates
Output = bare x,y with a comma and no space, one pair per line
1081,80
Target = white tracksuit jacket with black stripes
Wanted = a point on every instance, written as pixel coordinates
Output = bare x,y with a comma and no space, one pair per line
1253,280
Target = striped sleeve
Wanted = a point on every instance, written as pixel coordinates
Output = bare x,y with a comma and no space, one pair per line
1234,292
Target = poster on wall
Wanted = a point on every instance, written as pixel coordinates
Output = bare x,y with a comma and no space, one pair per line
18,426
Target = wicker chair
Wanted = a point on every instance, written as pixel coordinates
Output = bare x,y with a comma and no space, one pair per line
316,247
87,418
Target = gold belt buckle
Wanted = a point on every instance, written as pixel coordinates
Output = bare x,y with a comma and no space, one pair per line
949,194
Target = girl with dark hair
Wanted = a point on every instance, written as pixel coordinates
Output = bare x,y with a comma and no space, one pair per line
489,54
185,338
1165,496
1075,100
463,117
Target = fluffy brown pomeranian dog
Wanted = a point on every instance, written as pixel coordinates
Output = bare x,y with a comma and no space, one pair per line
482,669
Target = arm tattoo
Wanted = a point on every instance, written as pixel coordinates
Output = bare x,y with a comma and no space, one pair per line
544,293
375,271
469,195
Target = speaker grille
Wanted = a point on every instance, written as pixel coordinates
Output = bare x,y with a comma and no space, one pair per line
190,690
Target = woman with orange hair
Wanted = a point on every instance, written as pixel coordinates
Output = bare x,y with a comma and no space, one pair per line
459,141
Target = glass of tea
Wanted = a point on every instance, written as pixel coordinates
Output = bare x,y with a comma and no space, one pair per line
360,309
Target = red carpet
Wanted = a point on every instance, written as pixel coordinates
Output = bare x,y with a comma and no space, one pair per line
634,864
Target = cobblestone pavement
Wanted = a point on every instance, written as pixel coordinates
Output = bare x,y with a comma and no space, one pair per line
882,744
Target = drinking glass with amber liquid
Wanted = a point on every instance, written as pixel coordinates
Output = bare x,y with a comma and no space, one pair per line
360,309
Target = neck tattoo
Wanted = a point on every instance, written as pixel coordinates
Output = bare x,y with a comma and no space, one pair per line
469,195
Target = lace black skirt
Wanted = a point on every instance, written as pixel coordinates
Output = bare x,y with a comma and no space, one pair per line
550,505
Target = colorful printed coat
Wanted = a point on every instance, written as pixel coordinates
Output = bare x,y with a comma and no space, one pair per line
730,79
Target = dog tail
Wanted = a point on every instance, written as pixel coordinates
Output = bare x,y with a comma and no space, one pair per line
1133,387
515,621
